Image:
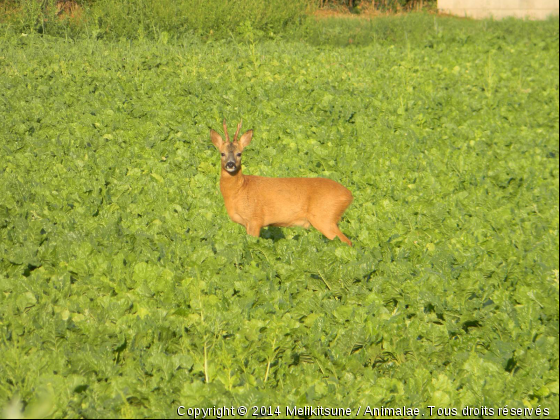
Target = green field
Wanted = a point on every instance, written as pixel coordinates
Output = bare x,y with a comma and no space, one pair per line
126,291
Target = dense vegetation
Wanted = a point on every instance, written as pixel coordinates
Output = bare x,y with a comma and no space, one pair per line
126,291
164,19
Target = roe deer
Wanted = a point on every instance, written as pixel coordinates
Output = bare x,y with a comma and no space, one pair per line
256,201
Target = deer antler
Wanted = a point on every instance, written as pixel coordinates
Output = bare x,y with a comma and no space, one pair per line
225,131
237,132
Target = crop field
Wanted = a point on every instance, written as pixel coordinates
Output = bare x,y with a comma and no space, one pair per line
126,291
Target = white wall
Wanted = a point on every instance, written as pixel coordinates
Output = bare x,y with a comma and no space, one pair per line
533,9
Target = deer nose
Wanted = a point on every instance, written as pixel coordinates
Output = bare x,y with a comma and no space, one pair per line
230,165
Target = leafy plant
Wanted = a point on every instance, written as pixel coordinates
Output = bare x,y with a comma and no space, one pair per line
125,291
156,20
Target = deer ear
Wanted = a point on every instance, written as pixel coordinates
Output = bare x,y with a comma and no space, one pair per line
246,139
216,139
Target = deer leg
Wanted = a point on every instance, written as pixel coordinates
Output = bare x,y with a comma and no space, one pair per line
253,229
343,237
330,230
337,232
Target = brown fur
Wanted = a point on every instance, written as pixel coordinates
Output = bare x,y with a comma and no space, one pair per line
255,201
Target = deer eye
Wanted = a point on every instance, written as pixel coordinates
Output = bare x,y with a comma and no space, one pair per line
223,154
239,155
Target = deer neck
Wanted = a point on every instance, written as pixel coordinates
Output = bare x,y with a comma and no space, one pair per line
231,184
